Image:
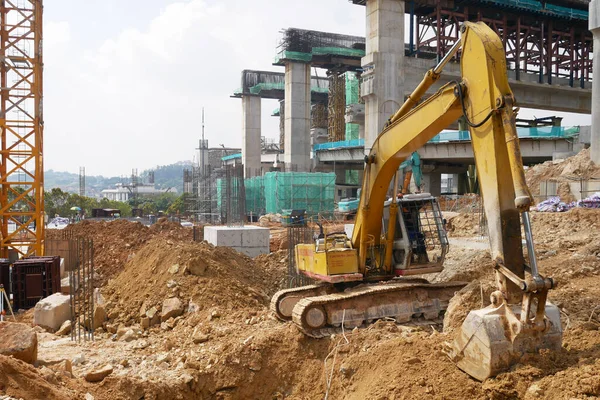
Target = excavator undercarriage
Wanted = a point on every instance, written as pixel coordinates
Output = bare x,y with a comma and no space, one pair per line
409,300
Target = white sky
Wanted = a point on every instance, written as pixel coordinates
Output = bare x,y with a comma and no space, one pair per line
125,80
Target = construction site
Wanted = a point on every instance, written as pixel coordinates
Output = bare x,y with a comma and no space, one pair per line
408,235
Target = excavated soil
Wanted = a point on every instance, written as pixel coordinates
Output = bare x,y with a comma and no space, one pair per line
115,241
227,345
564,171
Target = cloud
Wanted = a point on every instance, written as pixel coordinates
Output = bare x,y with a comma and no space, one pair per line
56,33
133,100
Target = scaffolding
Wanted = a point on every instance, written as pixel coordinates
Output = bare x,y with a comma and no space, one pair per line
307,41
318,116
336,109
215,196
231,197
21,166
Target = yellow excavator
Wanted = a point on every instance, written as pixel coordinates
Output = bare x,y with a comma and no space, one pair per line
367,276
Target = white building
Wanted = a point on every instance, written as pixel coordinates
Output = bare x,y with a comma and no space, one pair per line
124,193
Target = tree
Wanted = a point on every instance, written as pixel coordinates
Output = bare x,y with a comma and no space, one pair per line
178,206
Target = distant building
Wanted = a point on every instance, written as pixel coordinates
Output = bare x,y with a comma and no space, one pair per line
125,192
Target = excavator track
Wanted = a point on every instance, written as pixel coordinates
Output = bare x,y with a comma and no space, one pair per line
320,316
283,302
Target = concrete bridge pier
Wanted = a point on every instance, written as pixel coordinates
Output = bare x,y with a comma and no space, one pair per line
432,183
594,26
297,116
251,132
382,85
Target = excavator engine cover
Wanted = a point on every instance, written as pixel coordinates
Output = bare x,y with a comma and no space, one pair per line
489,342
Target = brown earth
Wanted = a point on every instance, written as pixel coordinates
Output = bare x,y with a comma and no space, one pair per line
229,346
568,170
116,241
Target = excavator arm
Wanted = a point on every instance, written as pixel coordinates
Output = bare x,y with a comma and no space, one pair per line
484,97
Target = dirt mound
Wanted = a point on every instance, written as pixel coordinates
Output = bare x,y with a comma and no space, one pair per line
275,265
21,380
463,224
212,278
115,241
243,352
576,167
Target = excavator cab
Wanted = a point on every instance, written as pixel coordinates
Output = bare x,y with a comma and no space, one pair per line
420,241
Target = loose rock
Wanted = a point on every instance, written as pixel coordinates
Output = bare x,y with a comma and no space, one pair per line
98,375
171,308
65,328
18,340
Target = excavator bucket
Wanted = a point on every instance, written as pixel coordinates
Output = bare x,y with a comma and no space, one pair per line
492,339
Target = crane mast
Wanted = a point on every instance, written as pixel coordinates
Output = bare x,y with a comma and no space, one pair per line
21,124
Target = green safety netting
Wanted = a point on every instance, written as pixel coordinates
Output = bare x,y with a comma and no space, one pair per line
352,177
293,56
338,51
233,194
318,51
278,191
255,195
352,97
256,89
231,156
351,88
542,7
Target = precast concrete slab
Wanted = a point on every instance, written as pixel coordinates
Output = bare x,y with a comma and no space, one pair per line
249,240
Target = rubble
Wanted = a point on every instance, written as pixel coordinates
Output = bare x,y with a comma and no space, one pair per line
225,343
562,172
18,341
98,375
64,329
171,308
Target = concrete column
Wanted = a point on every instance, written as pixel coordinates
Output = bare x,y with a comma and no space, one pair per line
383,80
251,135
463,183
595,28
297,116
432,183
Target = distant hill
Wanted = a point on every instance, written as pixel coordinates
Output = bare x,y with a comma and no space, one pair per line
165,176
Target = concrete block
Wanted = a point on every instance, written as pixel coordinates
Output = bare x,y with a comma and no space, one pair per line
585,189
52,311
252,251
548,188
249,240
65,285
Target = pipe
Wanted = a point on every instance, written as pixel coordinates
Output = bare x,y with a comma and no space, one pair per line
530,246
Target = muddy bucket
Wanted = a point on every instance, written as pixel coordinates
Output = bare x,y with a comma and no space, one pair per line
492,339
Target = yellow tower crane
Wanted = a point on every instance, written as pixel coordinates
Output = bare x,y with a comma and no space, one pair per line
21,122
